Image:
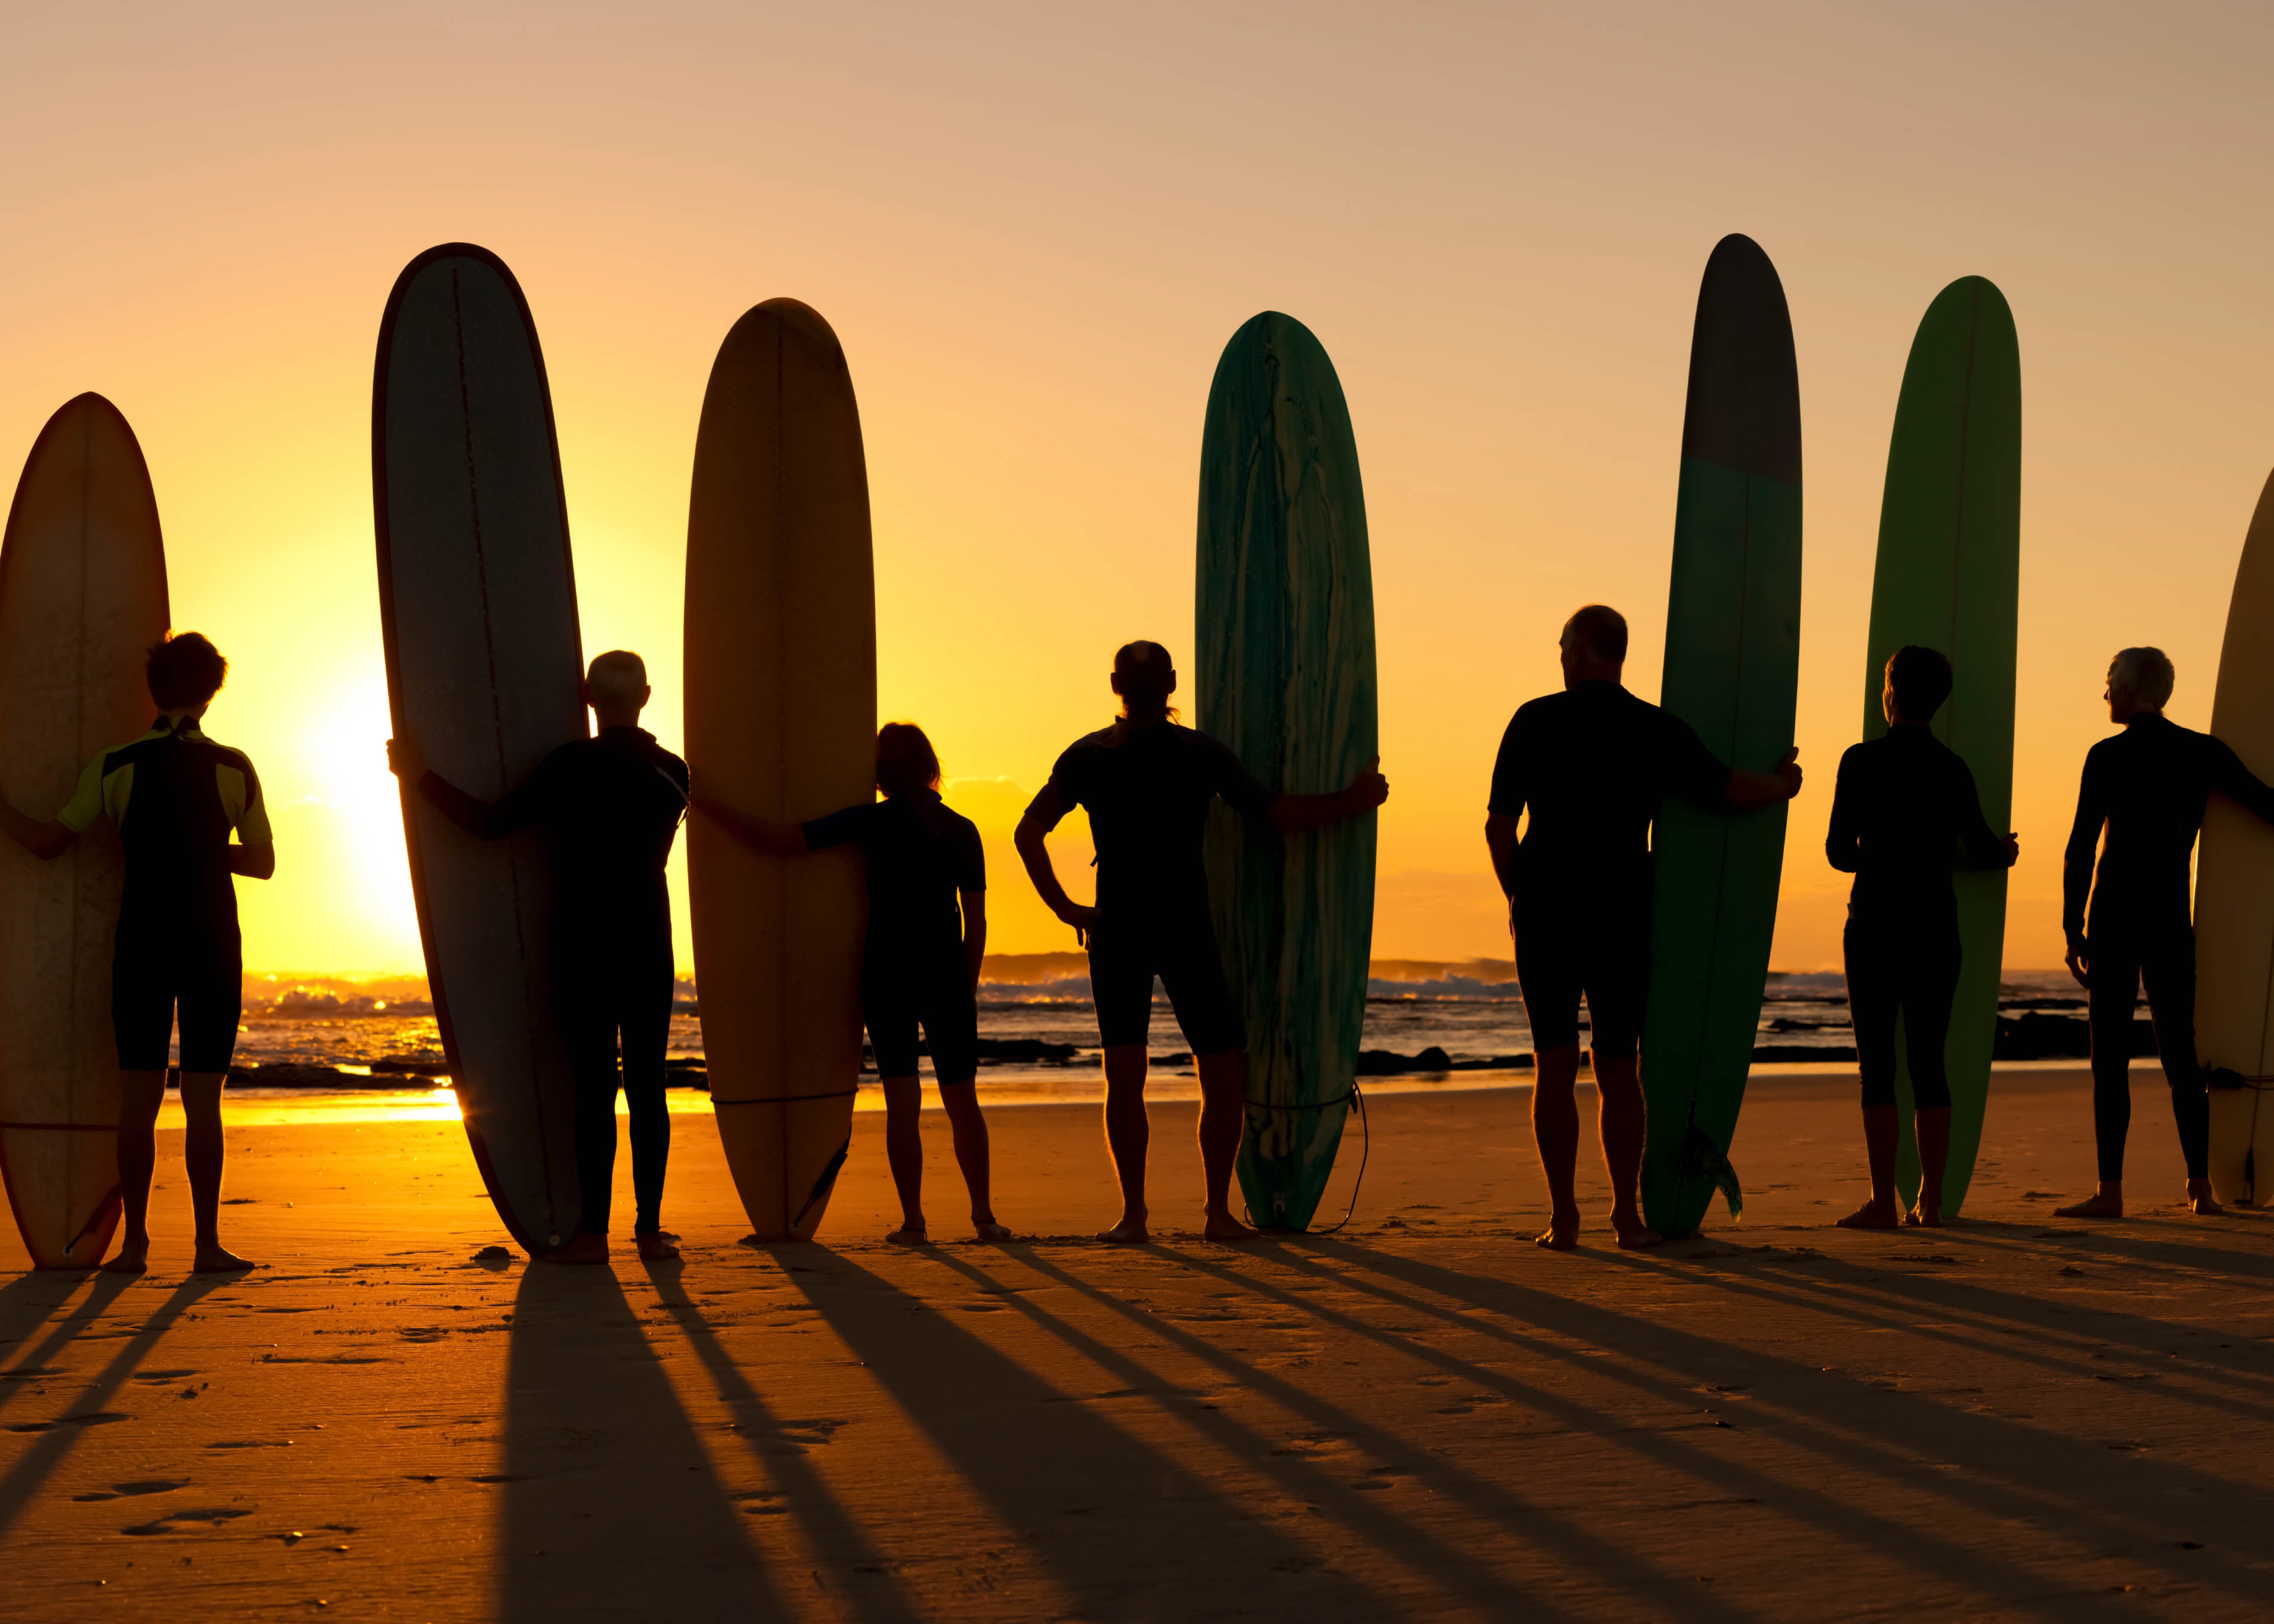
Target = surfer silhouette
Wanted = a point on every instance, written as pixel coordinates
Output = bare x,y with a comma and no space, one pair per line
1592,764
1905,810
920,959
1147,784
175,798
2145,788
610,806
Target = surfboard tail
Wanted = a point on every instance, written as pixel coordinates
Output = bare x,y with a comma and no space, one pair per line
1703,1160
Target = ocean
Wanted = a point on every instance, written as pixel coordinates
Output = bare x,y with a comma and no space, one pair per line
1428,1024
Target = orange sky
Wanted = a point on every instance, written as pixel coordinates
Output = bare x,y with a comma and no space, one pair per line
1035,226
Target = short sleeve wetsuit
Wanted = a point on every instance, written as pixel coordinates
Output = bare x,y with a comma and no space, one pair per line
1592,764
2146,787
175,796
1905,815
1148,790
919,856
610,807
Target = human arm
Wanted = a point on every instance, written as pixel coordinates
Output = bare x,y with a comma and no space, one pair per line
2231,778
1747,791
1365,792
1501,841
974,931
484,820
1982,849
45,839
253,862
763,833
2076,865
1043,814
1843,838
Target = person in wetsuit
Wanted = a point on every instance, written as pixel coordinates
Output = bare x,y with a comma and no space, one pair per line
2146,787
174,797
1904,812
920,961
1592,764
610,806
1147,784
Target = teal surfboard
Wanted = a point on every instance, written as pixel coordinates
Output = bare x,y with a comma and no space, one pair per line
1949,577
1286,637
1732,673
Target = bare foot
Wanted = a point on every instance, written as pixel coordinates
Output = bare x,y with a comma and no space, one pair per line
1129,1231
1224,1227
1924,1216
1561,1235
218,1260
2095,1207
909,1235
582,1247
1635,1235
133,1258
1872,1215
2201,1202
656,1248
988,1229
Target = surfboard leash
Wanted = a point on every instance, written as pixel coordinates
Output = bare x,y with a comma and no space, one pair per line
1366,1150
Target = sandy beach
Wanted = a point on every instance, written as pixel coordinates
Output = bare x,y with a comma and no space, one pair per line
1423,1415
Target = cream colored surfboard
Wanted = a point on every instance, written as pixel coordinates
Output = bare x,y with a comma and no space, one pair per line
781,721
82,597
2234,893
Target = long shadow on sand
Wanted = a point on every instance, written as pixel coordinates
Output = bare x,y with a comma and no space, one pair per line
28,1303
89,1407
965,1393
611,1507
859,1580
2146,1507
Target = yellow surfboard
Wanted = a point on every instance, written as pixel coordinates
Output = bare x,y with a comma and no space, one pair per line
2234,894
82,597
781,722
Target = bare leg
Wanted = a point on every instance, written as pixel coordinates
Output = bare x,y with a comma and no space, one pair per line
201,1150
1127,1133
962,1102
904,1151
1223,1118
1618,1083
1882,1128
2106,1201
1933,1128
140,1094
1555,1126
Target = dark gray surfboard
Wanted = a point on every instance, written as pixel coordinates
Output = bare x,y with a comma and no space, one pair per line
478,609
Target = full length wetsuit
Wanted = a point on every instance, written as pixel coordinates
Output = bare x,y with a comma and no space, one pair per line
1148,790
1593,764
2147,787
914,970
175,796
611,808
1905,810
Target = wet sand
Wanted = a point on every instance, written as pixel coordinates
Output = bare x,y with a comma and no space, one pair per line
1424,1416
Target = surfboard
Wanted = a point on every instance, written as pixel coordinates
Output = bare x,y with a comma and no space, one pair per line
1284,633
2234,892
1733,672
1949,578
781,722
477,614
82,597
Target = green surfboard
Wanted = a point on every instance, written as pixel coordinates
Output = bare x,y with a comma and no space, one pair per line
1949,577
1732,673
1286,637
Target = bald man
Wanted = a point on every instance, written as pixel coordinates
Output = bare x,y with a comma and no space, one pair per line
610,806
1592,764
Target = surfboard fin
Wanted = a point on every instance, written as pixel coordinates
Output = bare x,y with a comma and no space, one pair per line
822,1185
1702,1158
